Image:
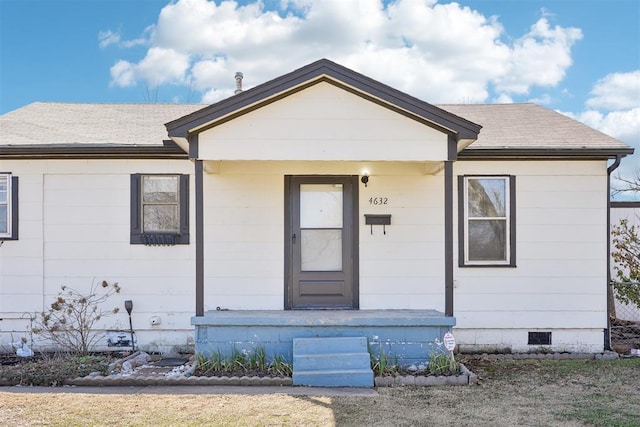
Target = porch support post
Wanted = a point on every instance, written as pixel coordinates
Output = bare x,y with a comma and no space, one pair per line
448,238
452,156
199,173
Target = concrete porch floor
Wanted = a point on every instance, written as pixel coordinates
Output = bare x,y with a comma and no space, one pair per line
319,318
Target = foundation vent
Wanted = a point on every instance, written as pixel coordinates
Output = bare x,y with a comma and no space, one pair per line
539,338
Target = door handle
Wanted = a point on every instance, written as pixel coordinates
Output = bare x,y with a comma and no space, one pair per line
293,238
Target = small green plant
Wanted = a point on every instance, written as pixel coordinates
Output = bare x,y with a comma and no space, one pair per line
215,362
442,361
380,363
71,319
238,360
241,362
258,359
280,367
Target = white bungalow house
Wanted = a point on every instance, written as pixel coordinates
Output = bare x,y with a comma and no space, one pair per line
322,203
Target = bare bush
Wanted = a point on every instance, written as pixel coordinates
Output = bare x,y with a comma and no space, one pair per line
69,322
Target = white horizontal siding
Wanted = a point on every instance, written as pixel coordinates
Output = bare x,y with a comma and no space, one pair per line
552,216
495,284
74,231
530,319
560,278
323,122
244,210
244,249
404,301
559,281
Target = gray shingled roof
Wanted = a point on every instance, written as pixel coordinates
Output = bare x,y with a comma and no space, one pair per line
504,126
530,126
92,124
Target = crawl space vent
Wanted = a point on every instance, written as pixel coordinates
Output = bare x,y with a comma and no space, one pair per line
539,338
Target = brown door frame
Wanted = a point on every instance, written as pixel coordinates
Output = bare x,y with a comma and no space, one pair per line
353,235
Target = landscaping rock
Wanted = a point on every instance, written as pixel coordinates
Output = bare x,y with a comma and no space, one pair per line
405,380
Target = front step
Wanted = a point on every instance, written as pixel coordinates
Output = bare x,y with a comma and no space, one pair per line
332,362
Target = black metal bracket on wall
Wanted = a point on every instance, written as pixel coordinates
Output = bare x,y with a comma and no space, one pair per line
378,219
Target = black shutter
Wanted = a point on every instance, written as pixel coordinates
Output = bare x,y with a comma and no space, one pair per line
136,215
14,208
183,239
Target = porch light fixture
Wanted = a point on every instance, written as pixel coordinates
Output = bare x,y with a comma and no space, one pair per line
365,179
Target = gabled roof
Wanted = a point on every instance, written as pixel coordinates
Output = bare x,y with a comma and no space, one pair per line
513,130
324,70
64,130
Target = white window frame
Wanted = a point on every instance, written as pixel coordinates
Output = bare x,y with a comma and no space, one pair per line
508,218
176,204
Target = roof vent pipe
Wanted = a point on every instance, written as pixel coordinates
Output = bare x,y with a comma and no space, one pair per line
239,77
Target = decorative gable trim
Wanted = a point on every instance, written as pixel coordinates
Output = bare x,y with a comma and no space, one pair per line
314,73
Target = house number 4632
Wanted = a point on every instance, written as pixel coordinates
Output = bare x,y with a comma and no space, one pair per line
378,200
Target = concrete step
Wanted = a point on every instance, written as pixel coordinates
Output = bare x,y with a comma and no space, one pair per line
334,378
331,361
330,345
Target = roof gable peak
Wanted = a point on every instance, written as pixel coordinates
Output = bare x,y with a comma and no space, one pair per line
311,74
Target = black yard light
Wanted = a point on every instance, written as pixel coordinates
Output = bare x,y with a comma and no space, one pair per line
128,305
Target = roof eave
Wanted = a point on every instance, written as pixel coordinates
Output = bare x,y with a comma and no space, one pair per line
168,150
546,153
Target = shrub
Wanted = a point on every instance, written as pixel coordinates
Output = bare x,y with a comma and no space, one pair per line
626,255
69,322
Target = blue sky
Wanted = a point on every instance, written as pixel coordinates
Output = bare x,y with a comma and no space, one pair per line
580,57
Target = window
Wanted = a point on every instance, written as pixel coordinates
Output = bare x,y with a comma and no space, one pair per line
8,207
487,221
160,209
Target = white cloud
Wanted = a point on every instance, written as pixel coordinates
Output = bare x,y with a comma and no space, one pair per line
106,38
503,99
540,58
623,125
123,74
617,91
134,42
614,109
159,66
162,66
437,52
544,99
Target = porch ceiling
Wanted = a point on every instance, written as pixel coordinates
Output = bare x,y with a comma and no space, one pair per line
219,167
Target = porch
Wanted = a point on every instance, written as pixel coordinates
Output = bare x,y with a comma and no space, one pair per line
402,335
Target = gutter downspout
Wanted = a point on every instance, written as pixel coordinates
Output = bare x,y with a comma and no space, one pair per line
607,334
